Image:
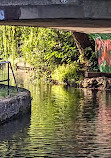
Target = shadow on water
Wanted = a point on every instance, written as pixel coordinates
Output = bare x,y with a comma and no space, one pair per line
12,127
11,137
90,104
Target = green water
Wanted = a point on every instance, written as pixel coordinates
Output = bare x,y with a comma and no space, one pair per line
64,123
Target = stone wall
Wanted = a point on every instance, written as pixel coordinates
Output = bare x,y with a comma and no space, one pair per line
100,83
12,107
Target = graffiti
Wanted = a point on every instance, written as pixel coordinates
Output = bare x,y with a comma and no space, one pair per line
103,48
2,16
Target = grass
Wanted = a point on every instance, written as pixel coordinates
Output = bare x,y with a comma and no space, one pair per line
4,92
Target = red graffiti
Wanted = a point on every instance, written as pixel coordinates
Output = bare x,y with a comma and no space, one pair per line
104,51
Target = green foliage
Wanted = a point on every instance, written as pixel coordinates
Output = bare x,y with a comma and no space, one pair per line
66,73
91,58
48,46
9,39
48,50
42,48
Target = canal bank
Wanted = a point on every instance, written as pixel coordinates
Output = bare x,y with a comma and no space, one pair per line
98,83
14,105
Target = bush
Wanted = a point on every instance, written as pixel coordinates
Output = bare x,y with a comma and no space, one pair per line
67,73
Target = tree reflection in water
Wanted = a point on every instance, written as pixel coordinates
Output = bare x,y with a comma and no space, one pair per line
65,122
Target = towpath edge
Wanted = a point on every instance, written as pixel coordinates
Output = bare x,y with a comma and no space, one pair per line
14,106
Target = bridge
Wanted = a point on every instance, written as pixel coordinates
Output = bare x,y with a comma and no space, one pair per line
75,15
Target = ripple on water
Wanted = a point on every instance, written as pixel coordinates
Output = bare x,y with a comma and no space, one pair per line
64,122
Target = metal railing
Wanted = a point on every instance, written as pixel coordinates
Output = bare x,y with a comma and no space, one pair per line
8,79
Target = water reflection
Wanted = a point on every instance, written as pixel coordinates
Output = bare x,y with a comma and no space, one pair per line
9,129
11,137
65,122
103,126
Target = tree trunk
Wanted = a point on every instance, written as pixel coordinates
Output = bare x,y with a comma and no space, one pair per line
82,41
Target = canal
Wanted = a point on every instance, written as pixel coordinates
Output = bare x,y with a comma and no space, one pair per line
64,123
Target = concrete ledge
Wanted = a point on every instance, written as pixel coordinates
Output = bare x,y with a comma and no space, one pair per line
38,2
12,107
41,12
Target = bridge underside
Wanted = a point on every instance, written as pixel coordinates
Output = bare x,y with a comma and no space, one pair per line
79,25
90,16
